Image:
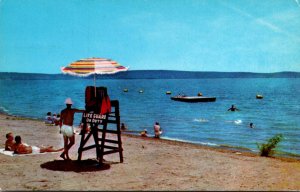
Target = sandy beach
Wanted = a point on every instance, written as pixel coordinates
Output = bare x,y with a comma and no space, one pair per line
149,164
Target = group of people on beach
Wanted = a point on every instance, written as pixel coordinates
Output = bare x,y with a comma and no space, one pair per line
65,123
157,131
52,119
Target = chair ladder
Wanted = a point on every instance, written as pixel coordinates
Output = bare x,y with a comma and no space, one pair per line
101,143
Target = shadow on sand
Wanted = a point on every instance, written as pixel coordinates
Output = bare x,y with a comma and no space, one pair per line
88,165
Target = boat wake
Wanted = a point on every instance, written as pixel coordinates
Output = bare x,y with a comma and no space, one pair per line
237,122
201,120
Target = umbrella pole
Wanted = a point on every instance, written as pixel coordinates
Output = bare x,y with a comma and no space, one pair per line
95,84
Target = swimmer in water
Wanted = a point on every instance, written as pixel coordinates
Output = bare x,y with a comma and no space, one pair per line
251,125
233,108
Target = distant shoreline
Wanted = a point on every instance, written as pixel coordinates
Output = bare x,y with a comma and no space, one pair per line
151,74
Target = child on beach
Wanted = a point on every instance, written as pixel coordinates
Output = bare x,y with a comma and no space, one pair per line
144,133
123,127
9,143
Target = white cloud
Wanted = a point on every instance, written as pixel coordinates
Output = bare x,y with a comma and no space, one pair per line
264,22
268,25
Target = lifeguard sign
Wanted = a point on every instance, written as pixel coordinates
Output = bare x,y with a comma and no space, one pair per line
93,118
98,113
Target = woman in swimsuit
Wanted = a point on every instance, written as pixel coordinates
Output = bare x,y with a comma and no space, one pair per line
22,148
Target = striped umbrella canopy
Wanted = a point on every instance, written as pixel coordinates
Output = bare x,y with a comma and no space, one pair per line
89,66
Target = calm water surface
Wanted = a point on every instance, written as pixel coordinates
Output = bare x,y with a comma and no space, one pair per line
204,123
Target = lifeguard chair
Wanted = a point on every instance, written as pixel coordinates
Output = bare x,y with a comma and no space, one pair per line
100,112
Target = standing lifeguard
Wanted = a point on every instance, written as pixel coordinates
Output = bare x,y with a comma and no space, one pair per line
66,127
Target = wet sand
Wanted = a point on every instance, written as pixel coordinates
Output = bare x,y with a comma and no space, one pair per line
149,164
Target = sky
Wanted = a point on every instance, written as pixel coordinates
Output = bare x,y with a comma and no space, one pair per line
40,36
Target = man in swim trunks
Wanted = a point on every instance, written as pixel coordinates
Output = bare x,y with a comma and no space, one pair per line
66,127
9,143
23,148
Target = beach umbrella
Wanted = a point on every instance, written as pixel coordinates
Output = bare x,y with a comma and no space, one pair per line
93,66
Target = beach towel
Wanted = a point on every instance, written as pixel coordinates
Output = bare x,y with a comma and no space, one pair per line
11,153
106,105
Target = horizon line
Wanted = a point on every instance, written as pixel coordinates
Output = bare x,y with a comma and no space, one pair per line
164,70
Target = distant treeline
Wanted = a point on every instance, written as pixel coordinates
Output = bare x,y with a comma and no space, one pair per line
152,74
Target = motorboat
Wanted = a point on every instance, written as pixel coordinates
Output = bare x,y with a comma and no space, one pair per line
259,96
193,98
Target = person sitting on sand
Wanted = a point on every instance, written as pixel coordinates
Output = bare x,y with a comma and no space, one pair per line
48,118
144,133
123,127
22,148
233,108
10,143
157,130
56,119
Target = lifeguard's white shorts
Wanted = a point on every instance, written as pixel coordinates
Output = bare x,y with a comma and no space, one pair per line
67,130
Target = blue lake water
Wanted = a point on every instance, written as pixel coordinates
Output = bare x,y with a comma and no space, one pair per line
204,123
